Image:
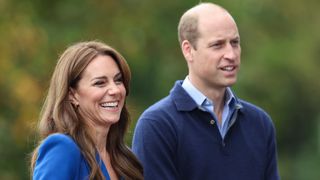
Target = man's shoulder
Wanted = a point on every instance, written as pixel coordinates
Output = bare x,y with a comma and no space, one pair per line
162,106
250,107
254,112
176,100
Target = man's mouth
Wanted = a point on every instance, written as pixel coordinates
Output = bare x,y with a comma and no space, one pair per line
228,68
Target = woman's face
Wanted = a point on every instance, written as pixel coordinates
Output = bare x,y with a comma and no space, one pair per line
100,93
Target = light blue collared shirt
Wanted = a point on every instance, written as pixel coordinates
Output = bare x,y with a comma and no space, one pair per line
205,104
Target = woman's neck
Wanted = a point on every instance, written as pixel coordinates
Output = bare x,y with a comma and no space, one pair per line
101,142
101,137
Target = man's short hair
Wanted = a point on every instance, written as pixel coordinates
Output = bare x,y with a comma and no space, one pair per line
188,28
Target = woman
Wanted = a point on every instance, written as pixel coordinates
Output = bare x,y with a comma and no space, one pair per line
84,118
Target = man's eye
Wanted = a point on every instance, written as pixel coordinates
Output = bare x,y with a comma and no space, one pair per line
235,43
216,45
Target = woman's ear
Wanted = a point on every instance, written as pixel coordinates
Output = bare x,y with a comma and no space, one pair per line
73,97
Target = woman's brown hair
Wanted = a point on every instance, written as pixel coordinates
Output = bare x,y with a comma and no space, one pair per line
58,115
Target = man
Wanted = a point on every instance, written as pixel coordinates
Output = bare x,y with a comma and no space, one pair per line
202,131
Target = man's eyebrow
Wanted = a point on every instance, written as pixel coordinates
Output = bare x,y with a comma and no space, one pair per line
236,38
216,41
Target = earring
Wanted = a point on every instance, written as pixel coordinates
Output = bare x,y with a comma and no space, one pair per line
75,105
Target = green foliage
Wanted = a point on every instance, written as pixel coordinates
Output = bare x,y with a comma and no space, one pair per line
280,51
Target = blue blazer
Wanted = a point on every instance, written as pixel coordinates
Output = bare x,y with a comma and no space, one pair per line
59,157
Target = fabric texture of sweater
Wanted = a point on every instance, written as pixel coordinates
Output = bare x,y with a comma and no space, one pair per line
175,140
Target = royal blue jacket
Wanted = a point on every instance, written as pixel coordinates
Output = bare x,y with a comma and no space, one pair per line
175,140
59,158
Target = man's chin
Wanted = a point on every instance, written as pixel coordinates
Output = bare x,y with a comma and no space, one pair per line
231,83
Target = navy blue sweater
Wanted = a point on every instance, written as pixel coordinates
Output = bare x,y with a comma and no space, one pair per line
174,139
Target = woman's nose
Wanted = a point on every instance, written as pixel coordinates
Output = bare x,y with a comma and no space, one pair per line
113,89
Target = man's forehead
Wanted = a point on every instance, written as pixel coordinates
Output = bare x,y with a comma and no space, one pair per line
206,7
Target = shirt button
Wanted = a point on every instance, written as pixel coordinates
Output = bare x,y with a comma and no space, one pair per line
212,122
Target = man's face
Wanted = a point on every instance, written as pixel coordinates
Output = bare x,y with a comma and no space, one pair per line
216,57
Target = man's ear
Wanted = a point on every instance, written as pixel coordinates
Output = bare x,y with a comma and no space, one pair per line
73,97
187,50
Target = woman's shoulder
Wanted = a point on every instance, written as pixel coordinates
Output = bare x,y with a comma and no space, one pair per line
58,156
60,145
60,139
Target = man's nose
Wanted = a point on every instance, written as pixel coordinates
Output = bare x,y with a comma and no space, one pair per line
231,52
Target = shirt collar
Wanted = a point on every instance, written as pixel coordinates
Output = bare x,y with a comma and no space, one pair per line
201,99
230,97
195,94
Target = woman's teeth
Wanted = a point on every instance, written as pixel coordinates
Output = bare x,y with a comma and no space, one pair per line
109,104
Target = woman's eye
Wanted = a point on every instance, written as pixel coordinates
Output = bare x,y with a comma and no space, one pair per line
119,81
98,83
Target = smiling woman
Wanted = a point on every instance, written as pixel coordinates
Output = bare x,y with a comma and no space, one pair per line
100,92
84,118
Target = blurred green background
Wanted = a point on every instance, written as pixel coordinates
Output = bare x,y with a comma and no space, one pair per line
280,65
